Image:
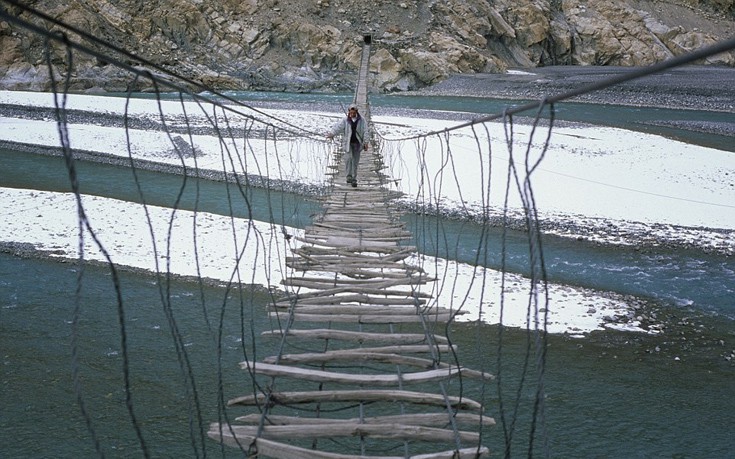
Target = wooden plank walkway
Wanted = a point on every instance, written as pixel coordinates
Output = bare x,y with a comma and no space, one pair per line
371,386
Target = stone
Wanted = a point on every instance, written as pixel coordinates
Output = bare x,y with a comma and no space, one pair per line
416,43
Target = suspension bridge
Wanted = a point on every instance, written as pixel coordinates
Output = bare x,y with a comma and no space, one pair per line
364,365
354,293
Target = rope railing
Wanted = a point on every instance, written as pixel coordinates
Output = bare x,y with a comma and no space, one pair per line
537,307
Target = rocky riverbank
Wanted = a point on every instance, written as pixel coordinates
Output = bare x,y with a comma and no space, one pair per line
687,87
315,45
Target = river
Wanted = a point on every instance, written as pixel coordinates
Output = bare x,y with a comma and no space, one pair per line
611,394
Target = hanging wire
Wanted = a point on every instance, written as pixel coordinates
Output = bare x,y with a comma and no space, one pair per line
428,197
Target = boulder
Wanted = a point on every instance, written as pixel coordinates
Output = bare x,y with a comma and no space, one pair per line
608,32
428,67
386,69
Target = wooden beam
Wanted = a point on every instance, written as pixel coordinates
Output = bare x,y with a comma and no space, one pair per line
307,374
332,282
356,271
379,248
419,419
276,450
357,293
358,355
345,429
366,318
362,395
360,337
364,308
315,250
365,300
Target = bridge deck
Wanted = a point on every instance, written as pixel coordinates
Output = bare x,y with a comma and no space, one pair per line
372,386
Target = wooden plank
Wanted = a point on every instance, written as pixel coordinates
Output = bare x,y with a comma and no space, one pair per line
348,262
342,282
401,301
315,250
360,337
366,318
464,453
401,349
344,429
346,257
354,272
358,355
302,297
276,450
419,419
347,308
362,395
373,236
399,226
360,242
307,374
355,248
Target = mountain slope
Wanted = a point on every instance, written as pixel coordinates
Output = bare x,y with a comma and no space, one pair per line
302,45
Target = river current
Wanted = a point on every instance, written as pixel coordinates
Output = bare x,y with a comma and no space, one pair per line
611,394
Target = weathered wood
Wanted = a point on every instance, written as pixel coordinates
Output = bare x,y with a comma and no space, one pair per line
401,349
276,450
363,395
366,318
391,238
396,225
325,284
356,290
409,304
355,272
346,258
338,264
374,234
347,308
360,337
382,248
419,419
353,355
344,282
343,429
315,250
350,378
358,355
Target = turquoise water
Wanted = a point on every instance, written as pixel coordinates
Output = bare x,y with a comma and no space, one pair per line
610,395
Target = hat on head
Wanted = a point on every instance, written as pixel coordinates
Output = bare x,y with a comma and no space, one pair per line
352,106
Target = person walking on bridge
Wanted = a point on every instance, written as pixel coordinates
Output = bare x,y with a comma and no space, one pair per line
353,129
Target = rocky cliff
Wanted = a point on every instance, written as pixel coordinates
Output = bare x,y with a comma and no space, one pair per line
303,45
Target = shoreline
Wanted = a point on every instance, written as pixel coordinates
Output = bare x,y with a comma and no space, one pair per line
599,231
690,87
97,138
